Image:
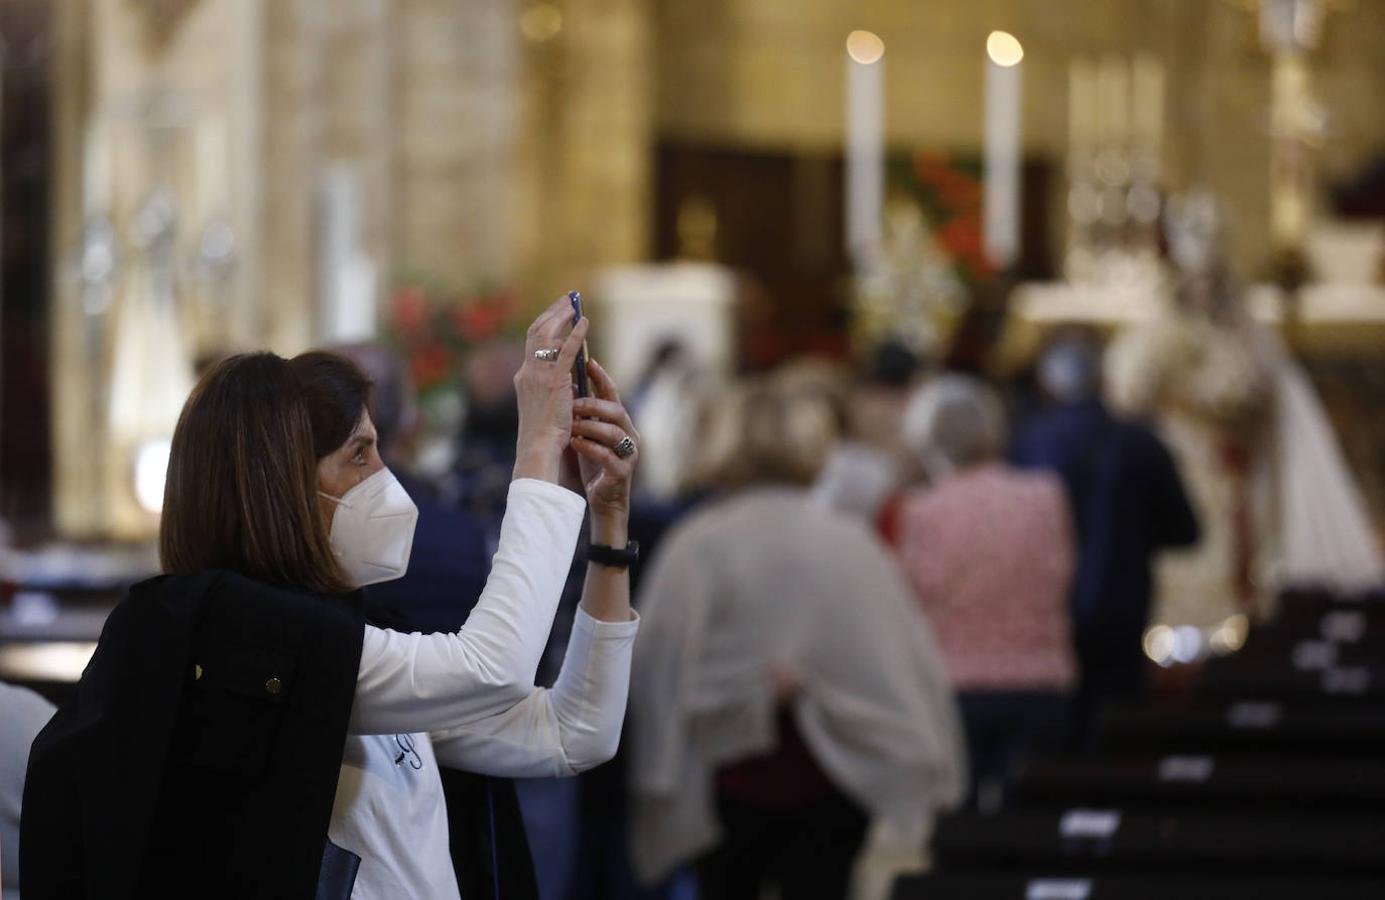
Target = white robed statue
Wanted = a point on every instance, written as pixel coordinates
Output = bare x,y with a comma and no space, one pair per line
1278,506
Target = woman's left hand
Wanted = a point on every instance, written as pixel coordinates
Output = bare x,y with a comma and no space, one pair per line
599,424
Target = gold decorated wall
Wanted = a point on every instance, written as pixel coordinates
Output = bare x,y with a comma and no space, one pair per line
513,141
768,73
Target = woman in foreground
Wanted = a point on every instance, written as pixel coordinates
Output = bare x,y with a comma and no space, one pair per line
241,731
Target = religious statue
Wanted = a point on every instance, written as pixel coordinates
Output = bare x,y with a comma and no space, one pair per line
1277,504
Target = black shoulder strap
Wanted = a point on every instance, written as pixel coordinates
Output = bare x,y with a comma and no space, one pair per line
490,850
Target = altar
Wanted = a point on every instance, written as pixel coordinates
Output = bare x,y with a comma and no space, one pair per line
1324,320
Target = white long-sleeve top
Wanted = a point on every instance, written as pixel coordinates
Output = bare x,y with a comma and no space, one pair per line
468,700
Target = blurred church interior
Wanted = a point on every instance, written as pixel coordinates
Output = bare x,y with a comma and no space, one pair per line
763,181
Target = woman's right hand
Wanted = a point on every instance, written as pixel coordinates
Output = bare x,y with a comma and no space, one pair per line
543,391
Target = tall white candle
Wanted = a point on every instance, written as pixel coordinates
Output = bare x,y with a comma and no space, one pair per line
865,146
1001,223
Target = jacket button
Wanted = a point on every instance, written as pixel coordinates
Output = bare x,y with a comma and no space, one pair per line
273,686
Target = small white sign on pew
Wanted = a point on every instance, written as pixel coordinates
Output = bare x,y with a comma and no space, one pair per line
1058,889
1186,769
1098,824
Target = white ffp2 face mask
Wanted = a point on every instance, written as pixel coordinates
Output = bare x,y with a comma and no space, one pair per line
373,529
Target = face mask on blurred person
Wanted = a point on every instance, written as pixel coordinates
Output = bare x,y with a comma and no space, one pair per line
373,529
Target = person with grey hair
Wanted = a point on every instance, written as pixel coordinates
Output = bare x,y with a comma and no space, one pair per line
988,550
1128,503
954,422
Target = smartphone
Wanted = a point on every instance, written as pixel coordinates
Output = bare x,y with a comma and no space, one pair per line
579,367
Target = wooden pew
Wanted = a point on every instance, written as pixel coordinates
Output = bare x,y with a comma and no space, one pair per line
1197,781
1109,841
984,886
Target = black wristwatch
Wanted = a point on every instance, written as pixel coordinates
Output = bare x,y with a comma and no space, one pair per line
614,557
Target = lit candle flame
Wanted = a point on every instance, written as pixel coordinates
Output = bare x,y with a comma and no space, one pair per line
865,47
1004,48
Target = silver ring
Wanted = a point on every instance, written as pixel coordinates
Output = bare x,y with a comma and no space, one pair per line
624,448
547,355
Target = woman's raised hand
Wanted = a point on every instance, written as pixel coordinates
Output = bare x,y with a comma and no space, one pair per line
607,447
543,390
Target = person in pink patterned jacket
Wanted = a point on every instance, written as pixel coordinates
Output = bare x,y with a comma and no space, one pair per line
989,551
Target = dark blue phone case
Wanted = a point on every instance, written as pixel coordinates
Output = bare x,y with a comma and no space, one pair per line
579,367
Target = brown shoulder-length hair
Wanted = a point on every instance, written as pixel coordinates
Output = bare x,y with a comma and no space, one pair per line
241,492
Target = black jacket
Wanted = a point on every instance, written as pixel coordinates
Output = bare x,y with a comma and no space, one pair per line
199,756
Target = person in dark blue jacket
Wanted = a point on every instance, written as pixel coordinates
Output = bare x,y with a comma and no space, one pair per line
1128,503
451,556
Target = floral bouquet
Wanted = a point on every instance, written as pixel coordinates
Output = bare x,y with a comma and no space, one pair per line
948,191
436,331
931,256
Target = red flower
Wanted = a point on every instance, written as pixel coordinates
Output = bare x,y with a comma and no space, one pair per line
430,365
504,304
479,321
961,239
960,193
979,264
961,236
410,309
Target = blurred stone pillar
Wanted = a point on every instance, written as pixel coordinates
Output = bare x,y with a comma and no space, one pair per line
293,66
78,479
119,67
455,99
329,100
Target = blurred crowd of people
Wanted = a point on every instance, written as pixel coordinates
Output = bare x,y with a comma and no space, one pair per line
866,595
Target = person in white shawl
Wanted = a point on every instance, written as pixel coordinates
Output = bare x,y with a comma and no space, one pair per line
765,602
